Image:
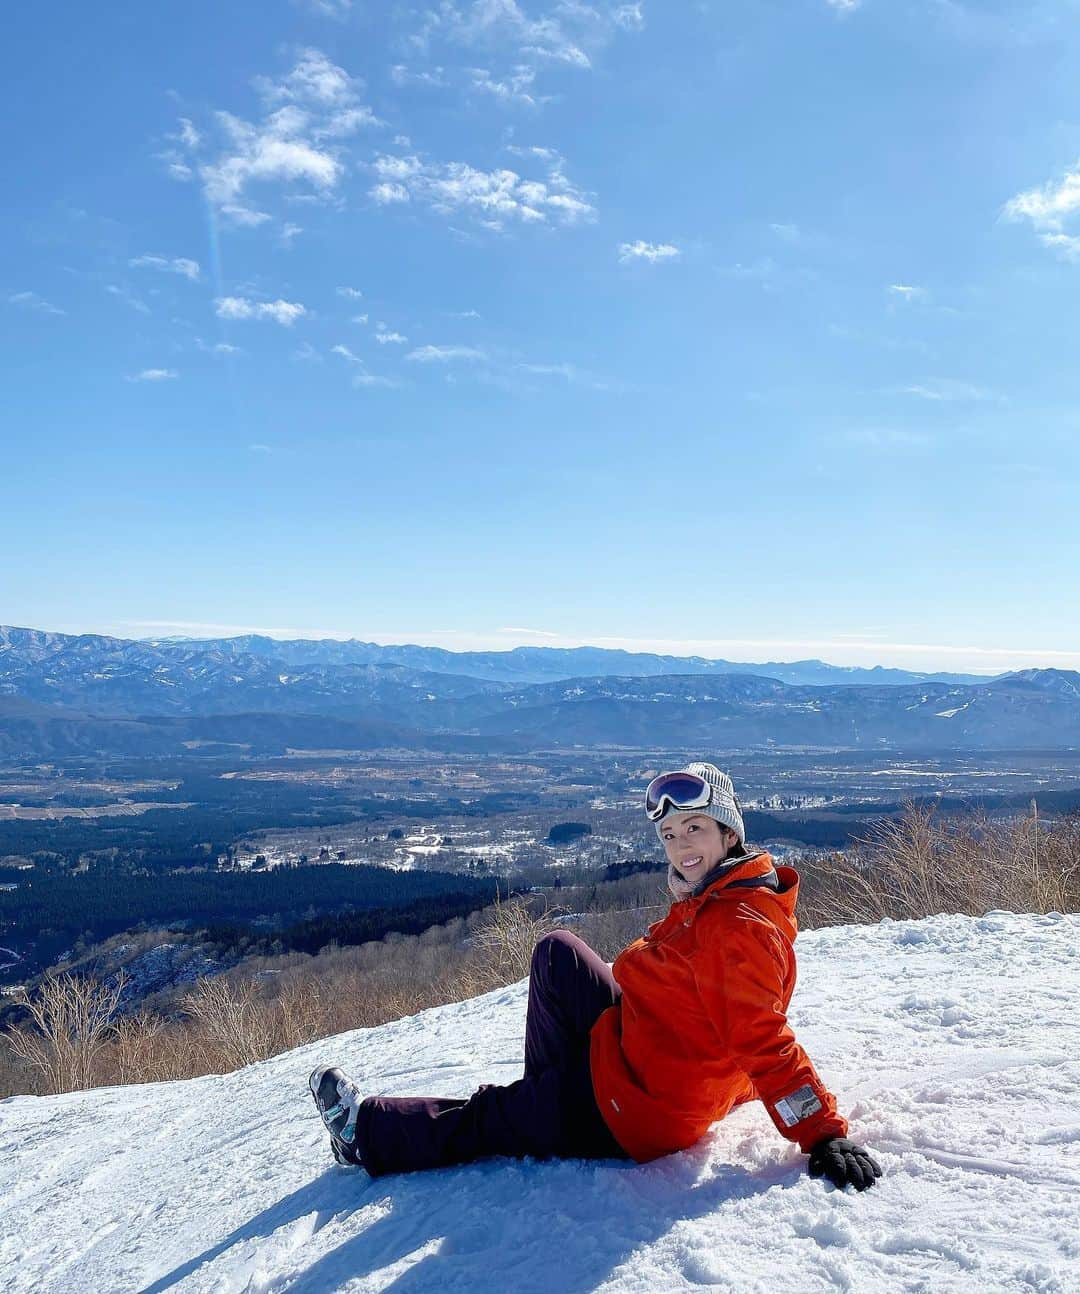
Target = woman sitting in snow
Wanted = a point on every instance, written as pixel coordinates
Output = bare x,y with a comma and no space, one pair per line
636,1061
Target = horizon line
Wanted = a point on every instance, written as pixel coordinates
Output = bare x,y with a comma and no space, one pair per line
862,651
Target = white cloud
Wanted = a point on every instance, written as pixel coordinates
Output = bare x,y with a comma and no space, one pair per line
569,373
1050,206
316,104
651,252
445,354
337,9
630,17
188,135
177,165
787,233
515,87
1067,245
274,151
168,265
363,378
350,294
493,23
566,371
492,196
359,319
1049,209
385,336
464,314
219,348
386,194
402,75
125,294
307,353
946,389
843,6
260,449
906,292
281,312
31,301
246,217
314,80
289,231
346,122
155,375
567,32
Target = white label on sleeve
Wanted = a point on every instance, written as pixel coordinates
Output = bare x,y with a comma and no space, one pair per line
799,1105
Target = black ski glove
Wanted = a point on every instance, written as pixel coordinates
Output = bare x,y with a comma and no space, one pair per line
844,1163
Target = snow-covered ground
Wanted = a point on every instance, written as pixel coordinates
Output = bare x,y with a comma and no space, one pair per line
953,1043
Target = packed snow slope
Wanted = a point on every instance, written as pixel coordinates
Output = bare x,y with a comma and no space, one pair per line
953,1043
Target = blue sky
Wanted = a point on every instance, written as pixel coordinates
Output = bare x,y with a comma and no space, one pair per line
741,329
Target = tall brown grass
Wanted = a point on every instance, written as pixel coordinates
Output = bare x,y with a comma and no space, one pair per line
924,862
917,865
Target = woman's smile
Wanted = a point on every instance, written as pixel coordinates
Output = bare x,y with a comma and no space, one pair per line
714,840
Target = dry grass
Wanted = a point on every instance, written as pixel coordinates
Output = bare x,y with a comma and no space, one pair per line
914,866
923,863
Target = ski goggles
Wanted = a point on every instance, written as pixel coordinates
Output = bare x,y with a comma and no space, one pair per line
680,791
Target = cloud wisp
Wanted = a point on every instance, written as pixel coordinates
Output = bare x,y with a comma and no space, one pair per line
281,312
336,9
446,354
494,24
651,253
946,390
906,292
155,375
493,197
515,46
362,377
181,265
31,301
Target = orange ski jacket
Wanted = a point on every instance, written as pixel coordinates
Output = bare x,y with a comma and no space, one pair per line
702,1022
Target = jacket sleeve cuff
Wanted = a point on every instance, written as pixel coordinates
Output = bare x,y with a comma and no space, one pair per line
806,1115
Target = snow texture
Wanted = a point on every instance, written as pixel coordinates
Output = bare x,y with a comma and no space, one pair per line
953,1043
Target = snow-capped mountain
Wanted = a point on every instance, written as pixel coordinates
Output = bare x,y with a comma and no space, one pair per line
951,1043
80,695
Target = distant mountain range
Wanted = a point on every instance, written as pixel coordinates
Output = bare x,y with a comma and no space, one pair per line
63,694
546,664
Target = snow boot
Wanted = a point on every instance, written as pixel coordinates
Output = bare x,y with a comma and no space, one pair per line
337,1099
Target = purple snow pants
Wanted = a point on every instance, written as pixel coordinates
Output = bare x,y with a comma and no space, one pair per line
550,1113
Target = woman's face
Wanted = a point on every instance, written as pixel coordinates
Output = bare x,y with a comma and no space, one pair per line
695,843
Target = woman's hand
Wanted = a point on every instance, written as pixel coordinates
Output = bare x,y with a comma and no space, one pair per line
844,1163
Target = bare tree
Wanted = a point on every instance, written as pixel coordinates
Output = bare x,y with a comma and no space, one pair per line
135,1049
69,1024
234,1026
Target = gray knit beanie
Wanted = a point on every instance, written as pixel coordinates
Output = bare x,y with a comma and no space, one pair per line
723,806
